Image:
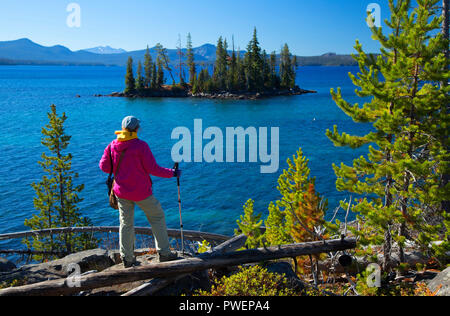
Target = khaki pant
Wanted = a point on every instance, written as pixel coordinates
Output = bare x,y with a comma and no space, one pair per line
155,215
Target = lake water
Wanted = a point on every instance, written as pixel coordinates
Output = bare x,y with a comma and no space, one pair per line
212,194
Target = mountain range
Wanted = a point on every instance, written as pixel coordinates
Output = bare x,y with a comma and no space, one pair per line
25,51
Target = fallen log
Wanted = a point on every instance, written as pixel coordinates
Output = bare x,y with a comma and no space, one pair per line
230,245
153,286
170,269
174,233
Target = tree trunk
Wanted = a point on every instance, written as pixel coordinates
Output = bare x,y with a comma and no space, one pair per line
445,24
153,286
170,269
387,248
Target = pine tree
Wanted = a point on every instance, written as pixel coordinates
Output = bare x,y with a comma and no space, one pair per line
266,74
233,73
191,60
205,81
160,80
220,67
148,67
287,69
250,225
401,174
180,62
241,81
140,81
154,83
303,207
274,79
295,217
276,233
57,196
164,60
129,78
254,65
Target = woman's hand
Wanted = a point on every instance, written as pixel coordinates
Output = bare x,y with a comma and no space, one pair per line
177,173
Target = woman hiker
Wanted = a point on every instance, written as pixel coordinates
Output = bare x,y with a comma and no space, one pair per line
133,185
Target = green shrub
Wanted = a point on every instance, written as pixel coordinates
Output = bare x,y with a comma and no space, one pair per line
250,281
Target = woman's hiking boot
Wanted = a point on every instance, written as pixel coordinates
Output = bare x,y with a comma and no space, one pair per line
130,264
171,256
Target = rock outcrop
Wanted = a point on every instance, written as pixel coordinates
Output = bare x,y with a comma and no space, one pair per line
95,259
6,265
441,283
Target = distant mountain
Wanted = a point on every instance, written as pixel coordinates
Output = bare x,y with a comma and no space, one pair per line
25,51
105,50
328,59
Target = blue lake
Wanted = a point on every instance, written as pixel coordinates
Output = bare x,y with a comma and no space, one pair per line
212,194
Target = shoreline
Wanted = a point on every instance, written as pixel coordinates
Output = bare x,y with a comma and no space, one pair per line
178,93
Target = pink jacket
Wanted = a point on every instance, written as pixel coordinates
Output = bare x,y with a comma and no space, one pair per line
133,180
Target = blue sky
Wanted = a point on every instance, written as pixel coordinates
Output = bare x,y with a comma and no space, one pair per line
310,27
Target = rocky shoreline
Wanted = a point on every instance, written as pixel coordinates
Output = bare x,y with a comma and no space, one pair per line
179,93
96,260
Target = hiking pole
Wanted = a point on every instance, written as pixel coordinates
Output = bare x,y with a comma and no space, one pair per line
176,167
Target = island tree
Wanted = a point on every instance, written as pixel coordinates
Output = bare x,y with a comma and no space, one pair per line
129,78
251,72
148,68
191,60
140,80
164,61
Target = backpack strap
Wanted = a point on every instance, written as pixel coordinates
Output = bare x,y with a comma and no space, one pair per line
120,161
112,163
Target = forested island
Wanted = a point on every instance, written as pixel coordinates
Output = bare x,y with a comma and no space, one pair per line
235,74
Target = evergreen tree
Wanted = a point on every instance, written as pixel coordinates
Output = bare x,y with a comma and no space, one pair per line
303,207
140,81
191,60
164,60
129,77
250,225
294,70
57,196
220,67
180,62
241,81
266,73
154,82
160,80
276,233
204,81
148,67
400,177
300,211
232,78
274,79
286,69
254,65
